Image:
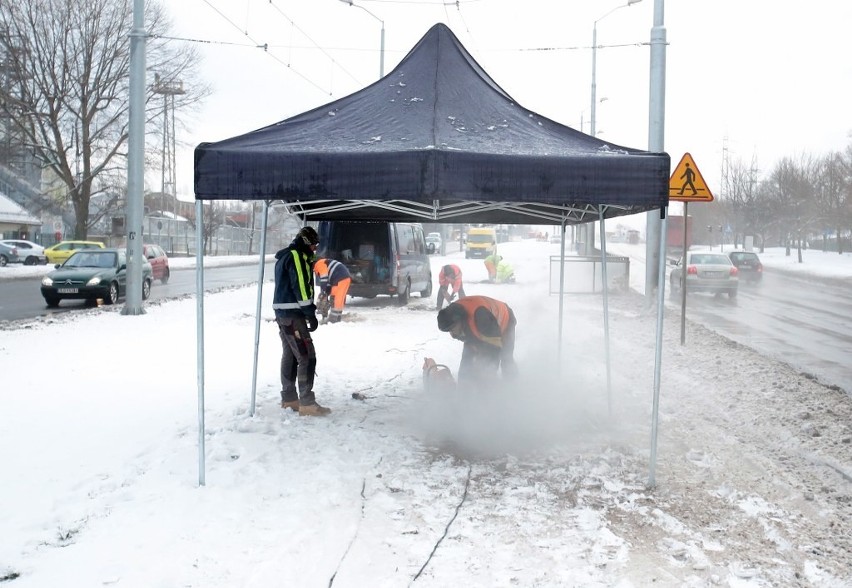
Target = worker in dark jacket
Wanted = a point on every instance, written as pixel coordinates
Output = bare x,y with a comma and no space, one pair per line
295,314
450,276
487,328
333,279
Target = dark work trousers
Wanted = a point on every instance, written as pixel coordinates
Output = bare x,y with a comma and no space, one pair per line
298,360
480,361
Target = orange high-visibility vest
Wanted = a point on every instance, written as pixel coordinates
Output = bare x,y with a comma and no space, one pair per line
500,311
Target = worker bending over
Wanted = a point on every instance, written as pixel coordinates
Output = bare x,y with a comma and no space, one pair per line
333,279
491,262
487,328
450,277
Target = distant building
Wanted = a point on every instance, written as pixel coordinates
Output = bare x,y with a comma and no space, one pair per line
15,222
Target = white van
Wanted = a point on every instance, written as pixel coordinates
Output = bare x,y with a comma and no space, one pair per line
382,257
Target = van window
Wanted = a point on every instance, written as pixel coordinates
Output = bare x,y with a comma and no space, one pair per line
407,244
419,240
480,238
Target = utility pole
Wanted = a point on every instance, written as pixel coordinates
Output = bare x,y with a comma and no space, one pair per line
168,89
135,162
656,135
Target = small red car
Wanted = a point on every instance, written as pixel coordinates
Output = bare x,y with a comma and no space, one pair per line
159,261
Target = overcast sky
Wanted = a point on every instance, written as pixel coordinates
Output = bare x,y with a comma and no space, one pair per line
751,79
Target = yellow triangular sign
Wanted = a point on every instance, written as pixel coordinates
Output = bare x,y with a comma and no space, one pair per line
687,184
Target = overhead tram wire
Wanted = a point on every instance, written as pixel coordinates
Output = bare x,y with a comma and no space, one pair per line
266,46
252,45
308,37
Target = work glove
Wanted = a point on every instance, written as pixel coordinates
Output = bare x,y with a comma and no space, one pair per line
313,323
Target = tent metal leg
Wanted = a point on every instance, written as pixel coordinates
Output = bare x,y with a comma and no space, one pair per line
658,358
260,270
199,337
561,296
605,291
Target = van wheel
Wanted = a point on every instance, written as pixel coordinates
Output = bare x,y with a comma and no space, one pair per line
403,295
428,291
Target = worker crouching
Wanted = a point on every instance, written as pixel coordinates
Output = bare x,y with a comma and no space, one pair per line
450,277
333,279
487,328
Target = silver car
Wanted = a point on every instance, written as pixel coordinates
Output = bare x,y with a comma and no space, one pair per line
8,254
705,272
29,252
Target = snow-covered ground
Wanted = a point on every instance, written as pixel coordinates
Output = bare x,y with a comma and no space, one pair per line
542,485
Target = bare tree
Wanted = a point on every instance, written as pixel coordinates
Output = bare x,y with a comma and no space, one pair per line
831,192
213,217
69,96
751,213
793,190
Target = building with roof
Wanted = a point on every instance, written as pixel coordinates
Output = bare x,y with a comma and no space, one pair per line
15,222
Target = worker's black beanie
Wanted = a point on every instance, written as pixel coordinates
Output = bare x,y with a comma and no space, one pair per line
449,316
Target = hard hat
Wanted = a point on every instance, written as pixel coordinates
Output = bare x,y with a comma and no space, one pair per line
309,236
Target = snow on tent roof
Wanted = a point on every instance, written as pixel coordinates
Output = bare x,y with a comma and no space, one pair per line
436,139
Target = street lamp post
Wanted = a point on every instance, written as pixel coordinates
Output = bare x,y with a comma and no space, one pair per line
590,227
382,46
594,61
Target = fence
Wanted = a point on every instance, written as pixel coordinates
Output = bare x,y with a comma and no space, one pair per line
177,238
584,274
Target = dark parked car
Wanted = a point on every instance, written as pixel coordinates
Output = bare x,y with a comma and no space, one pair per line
705,272
92,274
159,262
748,264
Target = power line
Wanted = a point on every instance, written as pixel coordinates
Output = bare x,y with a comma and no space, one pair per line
309,38
265,47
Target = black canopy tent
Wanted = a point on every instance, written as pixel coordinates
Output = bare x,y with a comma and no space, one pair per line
435,140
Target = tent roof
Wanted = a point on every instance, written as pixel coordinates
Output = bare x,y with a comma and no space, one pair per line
436,139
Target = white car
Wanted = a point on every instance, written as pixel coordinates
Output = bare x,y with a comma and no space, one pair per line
30,253
433,243
705,272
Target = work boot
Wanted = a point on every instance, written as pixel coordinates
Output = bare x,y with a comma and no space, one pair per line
313,410
291,404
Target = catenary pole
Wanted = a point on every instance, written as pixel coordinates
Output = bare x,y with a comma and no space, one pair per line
655,270
135,162
656,138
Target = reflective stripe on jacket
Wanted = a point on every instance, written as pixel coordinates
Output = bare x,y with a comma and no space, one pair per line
294,286
330,272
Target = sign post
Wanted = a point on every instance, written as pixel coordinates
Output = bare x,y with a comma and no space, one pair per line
687,185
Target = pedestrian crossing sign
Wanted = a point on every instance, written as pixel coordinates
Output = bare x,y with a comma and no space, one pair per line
687,183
